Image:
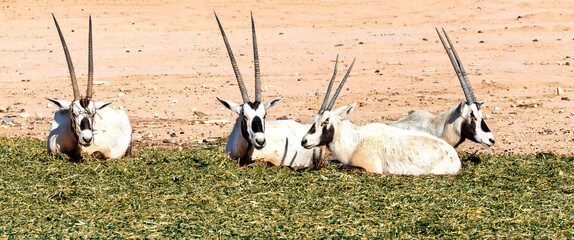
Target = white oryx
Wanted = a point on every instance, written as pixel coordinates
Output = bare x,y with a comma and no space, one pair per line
463,121
254,138
378,148
84,126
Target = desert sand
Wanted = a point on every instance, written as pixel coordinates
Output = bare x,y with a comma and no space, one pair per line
164,62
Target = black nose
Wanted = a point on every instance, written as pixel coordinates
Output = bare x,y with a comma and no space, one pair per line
260,142
303,142
491,140
85,124
87,139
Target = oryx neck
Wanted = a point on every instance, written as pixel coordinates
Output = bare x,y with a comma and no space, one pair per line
450,129
345,140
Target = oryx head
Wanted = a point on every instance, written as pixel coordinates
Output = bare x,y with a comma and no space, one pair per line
82,110
326,121
251,114
473,125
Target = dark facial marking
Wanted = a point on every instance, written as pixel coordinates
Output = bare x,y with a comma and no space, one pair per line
468,130
257,124
84,102
254,105
312,130
246,159
85,124
327,135
244,131
483,126
325,122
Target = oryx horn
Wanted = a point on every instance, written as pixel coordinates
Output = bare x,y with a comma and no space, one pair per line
69,60
233,63
89,91
340,86
330,85
256,63
458,68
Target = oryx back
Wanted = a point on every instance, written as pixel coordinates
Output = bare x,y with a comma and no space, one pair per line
398,151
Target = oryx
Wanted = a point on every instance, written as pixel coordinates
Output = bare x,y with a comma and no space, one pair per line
83,126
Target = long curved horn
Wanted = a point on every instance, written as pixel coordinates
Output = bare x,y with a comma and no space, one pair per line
69,60
458,68
256,63
340,86
233,63
89,91
330,85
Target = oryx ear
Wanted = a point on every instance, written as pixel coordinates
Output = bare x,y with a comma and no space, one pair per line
100,105
344,111
230,105
463,109
480,104
271,103
62,104
460,107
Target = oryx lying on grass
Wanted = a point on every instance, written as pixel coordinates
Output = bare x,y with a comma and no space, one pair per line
254,138
84,126
463,121
376,147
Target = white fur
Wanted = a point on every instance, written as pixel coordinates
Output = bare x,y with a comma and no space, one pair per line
111,132
382,149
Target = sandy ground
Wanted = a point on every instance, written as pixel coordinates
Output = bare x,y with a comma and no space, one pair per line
166,58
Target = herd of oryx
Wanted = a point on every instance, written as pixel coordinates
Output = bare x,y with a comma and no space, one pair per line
420,144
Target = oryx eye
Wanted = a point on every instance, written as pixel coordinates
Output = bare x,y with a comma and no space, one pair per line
325,122
472,116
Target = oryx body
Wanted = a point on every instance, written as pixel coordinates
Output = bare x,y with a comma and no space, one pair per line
254,138
379,148
458,123
86,127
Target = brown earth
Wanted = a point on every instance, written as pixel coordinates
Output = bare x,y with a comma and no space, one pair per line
167,57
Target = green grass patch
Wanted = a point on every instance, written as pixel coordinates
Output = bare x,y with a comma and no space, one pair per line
197,193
